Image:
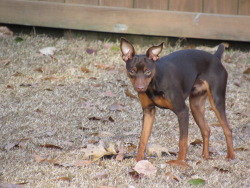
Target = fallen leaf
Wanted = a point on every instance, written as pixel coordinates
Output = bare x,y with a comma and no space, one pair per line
145,167
221,170
10,87
18,74
196,142
39,70
116,107
48,51
135,175
39,159
171,176
91,51
83,163
241,149
130,147
197,181
156,149
50,78
103,119
120,155
50,146
129,94
5,31
85,70
105,67
19,39
178,163
247,71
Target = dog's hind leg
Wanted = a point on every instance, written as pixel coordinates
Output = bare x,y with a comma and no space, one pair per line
197,101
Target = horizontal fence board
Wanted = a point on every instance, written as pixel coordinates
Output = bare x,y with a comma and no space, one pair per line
124,20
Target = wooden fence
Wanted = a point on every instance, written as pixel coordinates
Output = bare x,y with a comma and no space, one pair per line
209,19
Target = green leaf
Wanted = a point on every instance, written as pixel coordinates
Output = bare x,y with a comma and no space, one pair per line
115,48
197,181
18,39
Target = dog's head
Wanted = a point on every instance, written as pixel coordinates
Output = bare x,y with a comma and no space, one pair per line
140,68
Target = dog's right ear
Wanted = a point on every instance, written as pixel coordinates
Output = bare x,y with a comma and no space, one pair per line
127,49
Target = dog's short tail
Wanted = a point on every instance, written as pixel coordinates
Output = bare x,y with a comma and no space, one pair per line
220,51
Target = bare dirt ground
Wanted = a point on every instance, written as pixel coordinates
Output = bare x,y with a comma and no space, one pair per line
55,109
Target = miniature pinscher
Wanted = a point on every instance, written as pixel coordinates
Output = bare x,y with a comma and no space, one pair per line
166,83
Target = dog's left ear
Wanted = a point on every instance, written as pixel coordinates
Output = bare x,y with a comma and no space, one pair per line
154,51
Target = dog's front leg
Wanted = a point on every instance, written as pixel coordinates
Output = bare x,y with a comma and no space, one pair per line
147,124
148,120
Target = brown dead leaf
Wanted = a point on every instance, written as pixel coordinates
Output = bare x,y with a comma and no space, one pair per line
129,94
105,67
103,119
39,159
85,70
130,147
18,74
39,70
51,78
135,175
241,149
10,87
196,142
83,163
221,170
145,167
171,176
50,146
120,155
247,71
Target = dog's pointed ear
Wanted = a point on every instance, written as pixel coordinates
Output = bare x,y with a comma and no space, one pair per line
127,49
154,51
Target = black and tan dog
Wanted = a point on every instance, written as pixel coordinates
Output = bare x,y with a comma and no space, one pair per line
166,82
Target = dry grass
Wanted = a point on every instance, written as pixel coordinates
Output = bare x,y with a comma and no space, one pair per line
44,100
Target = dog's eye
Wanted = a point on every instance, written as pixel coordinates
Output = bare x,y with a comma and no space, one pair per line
132,72
147,72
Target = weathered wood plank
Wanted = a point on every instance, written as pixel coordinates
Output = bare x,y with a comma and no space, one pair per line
124,20
86,2
244,7
186,5
221,6
149,4
117,3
